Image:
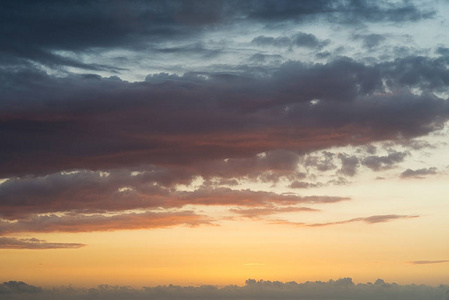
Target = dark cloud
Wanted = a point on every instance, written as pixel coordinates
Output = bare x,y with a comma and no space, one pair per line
33,243
39,31
80,122
82,145
349,164
343,288
347,12
377,163
419,173
17,288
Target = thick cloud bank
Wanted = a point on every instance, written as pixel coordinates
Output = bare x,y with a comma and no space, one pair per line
342,288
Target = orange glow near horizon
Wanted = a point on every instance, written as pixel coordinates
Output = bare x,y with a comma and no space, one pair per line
230,254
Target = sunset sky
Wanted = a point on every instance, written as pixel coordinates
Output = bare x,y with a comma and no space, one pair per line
148,143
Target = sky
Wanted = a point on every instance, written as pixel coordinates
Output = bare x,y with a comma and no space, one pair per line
205,143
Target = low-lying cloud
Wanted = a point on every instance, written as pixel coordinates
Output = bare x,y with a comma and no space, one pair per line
343,288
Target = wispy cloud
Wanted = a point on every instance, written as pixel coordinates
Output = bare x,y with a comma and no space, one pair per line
369,220
98,222
32,243
426,262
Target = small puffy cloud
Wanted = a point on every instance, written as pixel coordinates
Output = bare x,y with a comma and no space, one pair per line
304,185
378,163
308,40
370,40
419,173
349,164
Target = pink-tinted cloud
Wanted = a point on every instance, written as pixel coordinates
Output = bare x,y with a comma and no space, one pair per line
94,192
88,223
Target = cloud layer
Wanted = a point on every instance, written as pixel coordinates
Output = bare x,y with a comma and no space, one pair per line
342,288
111,114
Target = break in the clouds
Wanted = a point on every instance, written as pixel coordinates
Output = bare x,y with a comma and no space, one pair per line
342,288
109,108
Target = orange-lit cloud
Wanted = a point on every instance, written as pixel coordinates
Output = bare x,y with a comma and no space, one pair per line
87,223
370,220
266,211
33,243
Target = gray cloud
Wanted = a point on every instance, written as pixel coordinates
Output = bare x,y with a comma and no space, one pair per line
18,288
81,122
426,262
33,243
370,40
343,288
300,39
89,223
377,163
420,173
349,164
49,27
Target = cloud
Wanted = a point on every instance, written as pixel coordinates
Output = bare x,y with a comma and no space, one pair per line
32,243
266,211
370,40
82,122
303,185
57,42
120,190
349,164
343,288
348,12
300,39
89,223
369,220
18,288
419,173
377,163
426,262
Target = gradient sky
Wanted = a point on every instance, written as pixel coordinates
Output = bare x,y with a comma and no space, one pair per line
208,142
